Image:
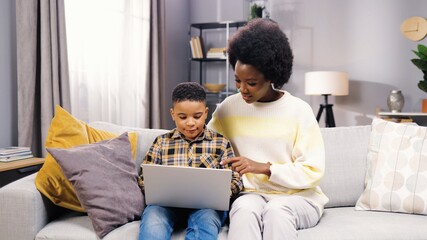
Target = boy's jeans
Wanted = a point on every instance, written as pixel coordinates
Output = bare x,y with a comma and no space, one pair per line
159,222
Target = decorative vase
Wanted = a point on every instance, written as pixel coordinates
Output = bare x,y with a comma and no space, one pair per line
424,105
395,101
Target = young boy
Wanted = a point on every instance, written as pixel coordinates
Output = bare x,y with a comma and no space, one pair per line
189,144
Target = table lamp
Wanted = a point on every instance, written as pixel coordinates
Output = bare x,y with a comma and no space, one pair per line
326,83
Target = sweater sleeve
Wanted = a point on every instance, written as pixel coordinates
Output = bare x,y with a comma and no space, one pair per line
308,159
215,124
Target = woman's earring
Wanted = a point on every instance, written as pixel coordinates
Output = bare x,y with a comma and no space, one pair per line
272,86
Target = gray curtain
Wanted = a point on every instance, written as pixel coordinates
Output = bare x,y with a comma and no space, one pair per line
42,69
157,64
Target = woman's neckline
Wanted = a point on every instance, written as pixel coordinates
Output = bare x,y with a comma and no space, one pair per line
282,96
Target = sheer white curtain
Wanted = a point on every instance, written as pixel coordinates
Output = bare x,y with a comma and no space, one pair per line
108,52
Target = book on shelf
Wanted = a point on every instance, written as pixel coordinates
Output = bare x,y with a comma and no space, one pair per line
196,47
217,53
193,43
16,154
200,46
15,158
13,150
192,49
9,154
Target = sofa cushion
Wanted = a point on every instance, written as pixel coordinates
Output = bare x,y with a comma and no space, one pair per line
396,179
67,131
104,177
346,150
72,226
146,136
78,226
64,131
346,223
336,224
97,135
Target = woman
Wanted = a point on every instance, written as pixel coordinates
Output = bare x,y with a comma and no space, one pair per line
276,138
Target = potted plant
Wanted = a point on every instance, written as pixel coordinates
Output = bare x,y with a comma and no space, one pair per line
421,63
256,11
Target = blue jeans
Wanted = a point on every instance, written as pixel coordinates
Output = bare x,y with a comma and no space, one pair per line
159,222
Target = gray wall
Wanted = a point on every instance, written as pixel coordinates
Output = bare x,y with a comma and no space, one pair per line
8,97
177,21
360,37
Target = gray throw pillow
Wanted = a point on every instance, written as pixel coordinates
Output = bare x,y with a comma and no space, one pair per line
104,178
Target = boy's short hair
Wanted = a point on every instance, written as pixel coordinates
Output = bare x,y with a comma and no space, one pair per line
188,91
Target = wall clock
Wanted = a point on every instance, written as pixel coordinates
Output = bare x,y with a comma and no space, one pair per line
414,28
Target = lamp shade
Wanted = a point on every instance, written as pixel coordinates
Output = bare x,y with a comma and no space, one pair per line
326,83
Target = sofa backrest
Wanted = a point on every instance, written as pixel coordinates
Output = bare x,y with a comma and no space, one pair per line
346,152
145,137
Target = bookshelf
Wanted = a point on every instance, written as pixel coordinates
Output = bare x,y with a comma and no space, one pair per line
198,30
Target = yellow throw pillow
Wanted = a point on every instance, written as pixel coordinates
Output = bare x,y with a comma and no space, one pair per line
66,131
96,135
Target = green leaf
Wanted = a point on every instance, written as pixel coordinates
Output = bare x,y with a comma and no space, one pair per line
421,64
422,85
420,55
422,49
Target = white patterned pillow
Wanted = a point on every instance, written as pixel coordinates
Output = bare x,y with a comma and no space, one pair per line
396,177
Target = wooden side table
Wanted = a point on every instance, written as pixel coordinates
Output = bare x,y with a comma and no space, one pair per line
417,117
15,170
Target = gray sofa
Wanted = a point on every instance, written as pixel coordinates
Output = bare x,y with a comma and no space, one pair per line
26,215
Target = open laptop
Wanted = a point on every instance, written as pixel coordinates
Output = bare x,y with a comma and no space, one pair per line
187,187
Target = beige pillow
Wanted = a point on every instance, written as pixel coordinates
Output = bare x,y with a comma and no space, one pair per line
396,178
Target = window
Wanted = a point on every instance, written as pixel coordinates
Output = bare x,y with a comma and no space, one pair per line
108,51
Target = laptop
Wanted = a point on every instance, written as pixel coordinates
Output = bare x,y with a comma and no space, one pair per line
187,187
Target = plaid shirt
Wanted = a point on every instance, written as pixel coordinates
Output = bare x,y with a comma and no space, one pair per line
205,151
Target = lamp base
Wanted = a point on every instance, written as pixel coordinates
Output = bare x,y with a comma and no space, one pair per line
329,118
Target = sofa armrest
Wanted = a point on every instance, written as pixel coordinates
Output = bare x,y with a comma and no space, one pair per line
23,210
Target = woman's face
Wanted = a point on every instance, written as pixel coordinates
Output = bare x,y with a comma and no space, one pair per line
252,84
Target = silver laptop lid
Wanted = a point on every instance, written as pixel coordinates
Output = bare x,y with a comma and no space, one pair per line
187,187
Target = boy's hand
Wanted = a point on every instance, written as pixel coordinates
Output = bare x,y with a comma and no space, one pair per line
244,165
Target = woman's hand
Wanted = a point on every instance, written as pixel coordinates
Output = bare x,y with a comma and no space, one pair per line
244,165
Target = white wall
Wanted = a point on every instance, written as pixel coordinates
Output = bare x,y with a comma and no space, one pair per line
8,97
360,37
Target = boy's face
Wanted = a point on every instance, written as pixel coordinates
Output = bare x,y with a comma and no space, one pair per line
189,117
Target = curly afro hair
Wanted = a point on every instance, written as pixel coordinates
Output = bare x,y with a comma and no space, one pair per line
262,44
